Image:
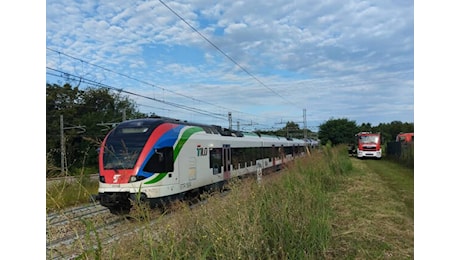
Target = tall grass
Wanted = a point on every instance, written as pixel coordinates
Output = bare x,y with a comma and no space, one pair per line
285,216
72,191
67,193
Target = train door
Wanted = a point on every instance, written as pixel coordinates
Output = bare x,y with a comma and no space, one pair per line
226,160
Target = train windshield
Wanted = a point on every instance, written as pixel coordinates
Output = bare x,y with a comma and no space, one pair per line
365,139
124,145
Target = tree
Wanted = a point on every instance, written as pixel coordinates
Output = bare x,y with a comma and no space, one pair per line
89,109
337,131
291,130
365,127
60,100
391,130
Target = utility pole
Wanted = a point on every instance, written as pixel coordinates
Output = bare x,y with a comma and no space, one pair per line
230,120
62,143
305,123
62,128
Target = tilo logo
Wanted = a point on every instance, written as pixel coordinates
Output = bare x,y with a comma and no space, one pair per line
201,151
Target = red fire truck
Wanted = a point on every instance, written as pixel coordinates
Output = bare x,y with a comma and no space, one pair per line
368,145
405,137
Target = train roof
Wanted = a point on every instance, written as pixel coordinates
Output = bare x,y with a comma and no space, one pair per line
210,129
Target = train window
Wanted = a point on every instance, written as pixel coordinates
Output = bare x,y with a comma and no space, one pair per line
235,157
134,130
288,150
120,157
161,161
215,160
267,153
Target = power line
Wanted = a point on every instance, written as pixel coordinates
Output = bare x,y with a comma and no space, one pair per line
144,82
98,84
226,55
69,76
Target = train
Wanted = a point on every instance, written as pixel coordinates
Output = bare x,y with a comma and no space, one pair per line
157,160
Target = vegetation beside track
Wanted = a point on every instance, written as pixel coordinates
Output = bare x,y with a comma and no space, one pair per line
326,206
70,192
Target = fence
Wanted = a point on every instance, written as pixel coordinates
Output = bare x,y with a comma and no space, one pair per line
401,151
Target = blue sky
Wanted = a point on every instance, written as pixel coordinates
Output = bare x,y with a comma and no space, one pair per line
264,61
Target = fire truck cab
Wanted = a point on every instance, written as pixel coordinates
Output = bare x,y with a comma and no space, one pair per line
368,145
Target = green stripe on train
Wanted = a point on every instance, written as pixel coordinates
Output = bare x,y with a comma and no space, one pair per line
183,139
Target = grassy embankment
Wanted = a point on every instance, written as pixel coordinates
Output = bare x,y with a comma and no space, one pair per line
326,206
64,194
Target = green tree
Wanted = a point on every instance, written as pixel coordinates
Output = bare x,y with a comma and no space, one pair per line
365,127
391,130
60,101
337,131
291,130
86,114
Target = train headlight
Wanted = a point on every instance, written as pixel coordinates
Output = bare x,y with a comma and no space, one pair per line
133,178
102,179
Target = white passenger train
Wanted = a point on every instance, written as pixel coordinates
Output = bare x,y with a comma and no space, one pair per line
157,160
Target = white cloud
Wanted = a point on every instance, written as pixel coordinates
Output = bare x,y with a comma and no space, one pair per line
319,45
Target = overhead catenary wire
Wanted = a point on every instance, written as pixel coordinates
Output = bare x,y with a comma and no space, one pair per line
227,56
144,82
98,84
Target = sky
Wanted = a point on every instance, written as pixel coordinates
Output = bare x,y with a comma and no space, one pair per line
265,62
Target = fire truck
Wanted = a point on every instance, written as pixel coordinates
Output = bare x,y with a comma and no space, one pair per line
367,145
405,137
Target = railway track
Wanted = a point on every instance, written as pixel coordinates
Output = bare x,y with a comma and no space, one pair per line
76,231
87,229
55,180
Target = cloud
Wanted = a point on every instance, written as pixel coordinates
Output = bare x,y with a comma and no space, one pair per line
247,56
